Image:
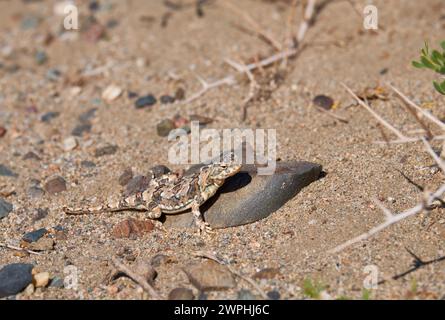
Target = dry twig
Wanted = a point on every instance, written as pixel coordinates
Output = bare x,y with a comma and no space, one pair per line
229,80
262,34
8,246
136,278
394,218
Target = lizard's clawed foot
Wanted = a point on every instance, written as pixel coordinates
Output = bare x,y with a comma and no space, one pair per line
204,228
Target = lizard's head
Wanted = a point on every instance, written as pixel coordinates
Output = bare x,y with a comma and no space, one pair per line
226,168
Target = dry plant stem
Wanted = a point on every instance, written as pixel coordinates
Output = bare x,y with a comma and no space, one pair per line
425,113
229,80
8,246
257,28
394,218
379,118
213,257
136,277
304,26
253,85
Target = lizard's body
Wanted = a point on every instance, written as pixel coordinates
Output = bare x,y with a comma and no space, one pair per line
171,194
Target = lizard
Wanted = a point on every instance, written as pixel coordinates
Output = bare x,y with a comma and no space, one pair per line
171,194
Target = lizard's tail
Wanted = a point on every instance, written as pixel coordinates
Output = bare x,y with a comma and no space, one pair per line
82,211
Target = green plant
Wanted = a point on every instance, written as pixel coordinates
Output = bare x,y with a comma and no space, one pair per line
366,294
435,61
312,290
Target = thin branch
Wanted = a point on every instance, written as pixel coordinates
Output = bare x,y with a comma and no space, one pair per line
304,26
419,109
262,34
399,134
284,54
136,278
394,218
213,257
9,246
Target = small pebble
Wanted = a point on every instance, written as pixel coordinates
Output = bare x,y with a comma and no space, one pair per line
55,185
159,260
180,94
166,99
47,117
164,127
106,151
323,101
132,228
2,132
111,93
132,95
88,164
41,57
40,214
125,177
145,101
69,144
246,295
29,291
57,282
41,279
36,192
6,172
87,115
53,74
274,295
82,128
181,294
5,208
35,235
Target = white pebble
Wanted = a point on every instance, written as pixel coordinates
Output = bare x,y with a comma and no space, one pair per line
111,93
69,143
41,279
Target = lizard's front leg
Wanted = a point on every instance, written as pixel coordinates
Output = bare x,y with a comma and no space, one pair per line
203,226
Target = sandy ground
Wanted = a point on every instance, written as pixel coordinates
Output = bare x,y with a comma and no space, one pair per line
297,237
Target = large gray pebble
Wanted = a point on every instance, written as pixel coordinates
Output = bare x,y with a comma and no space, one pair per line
248,197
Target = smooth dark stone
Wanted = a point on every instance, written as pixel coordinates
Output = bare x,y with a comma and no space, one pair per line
106,151
82,128
47,117
88,164
323,101
87,115
6,172
248,197
57,282
166,99
145,101
35,235
5,208
274,295
14,278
